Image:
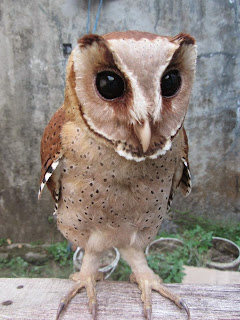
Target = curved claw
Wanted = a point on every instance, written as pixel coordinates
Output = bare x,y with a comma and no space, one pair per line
94,310
60,309
148,313
185,307
65,301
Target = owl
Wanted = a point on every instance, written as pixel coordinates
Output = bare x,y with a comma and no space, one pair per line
116,151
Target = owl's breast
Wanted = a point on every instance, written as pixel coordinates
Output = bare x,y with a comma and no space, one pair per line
105,194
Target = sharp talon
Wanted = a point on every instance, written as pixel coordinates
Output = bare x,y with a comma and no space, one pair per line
148,313
64,302
185,307
94,310
60,309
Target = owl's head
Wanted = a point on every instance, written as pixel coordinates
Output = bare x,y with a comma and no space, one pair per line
133,89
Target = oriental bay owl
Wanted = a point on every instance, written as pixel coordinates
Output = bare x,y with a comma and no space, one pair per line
116,151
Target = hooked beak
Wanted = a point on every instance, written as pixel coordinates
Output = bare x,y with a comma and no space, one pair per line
143,132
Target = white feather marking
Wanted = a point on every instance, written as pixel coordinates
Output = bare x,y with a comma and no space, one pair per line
189,188
162,151
55,209
40,189
129,156
47,176
55,164
185,162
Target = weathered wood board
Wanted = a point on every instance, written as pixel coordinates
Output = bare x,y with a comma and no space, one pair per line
198,275
38,300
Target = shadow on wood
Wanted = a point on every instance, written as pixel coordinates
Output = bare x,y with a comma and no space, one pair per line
34,299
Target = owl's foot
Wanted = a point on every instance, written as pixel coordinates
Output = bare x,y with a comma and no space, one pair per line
82,281
149,282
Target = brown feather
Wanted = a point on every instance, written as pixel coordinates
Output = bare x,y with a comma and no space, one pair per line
181,178
51,148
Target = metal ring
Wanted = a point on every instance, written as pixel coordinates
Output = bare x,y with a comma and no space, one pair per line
228,265
162,239
78,257
217,265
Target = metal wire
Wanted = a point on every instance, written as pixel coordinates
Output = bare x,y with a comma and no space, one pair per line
88,16
108,270
97,16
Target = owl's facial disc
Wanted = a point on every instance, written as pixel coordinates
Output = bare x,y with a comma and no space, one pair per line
111,85
133,89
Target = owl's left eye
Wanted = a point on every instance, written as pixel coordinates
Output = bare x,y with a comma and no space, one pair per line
110,85
170,83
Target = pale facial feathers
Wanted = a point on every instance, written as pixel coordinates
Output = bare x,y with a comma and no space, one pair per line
145,64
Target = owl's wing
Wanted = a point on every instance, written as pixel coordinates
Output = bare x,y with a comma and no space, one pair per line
51,154
185,183
182,175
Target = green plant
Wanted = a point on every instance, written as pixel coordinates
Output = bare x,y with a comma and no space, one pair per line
36,243
196,242
238,241
3,242
169,266
188,221
17,267
122,272
50,219
60,253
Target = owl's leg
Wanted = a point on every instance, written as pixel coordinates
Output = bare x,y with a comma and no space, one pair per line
147,281
85,278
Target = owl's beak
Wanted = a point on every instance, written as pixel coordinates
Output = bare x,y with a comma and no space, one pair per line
143,132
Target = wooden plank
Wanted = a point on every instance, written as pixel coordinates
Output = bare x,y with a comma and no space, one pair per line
198,275
39,299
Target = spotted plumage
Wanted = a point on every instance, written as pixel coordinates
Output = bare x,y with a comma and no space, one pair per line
116,151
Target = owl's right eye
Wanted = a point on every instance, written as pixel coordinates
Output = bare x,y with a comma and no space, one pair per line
110,85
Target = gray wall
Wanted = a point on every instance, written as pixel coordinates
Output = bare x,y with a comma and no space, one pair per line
32,66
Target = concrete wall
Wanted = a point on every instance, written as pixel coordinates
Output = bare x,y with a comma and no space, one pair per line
32,65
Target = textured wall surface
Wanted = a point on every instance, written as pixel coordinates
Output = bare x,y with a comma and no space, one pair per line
32,64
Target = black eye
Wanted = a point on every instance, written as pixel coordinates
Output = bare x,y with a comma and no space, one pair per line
170,83
110,85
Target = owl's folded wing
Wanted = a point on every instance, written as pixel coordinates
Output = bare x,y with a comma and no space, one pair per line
182,175
51,154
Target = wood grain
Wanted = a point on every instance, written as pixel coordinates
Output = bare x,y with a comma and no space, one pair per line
39,299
